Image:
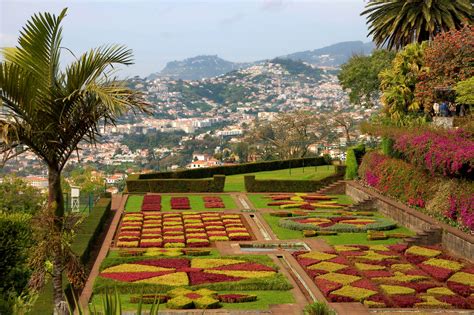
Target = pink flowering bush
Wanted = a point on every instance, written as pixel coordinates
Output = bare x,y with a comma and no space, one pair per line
445,152
450,200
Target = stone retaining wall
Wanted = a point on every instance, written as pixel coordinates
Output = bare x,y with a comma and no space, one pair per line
453,240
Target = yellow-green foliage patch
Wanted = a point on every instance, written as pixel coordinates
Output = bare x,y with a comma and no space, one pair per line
440,291
432,302
318,256
339,278
358,294
401,267
365,267
396,290
423,251
463,278
443,263
327,266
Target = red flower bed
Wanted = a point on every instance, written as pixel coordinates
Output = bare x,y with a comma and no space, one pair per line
180,203
440,274
200,277
171,228
151,203
165,263
327,286
245,266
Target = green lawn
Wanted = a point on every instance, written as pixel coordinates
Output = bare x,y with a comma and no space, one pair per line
134,203
264,299
339,239
260,201
236,182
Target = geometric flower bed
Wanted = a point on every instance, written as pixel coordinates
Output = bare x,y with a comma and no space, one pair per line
337,223
190,229
151,203
304,201
180,203
176,272
391,276
213,202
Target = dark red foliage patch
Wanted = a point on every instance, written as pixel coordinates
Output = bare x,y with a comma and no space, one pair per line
377,273
315,272
133,276
365,284
405,300
305,262
338,298
326,286
339,260
200,277
399,248
440,274
459,288
349,271
245,266
454,300
419,286
415,259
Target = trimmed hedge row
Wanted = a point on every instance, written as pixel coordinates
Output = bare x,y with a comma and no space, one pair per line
86,236
276,185
216,184
382,224
234,169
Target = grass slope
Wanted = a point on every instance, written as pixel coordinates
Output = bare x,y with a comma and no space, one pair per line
236,182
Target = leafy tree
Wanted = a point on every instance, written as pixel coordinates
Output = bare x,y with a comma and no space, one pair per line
15,244
49,110
465,91
399,81
448,60
360,75
397,23
16,195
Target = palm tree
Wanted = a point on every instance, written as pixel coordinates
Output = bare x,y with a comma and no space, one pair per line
397,23
49,110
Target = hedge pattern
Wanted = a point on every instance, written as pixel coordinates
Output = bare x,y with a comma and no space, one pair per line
276,185
216,184
234,169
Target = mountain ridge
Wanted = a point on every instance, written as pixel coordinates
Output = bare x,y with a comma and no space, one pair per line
207,66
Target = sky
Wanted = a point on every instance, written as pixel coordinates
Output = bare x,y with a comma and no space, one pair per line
161,31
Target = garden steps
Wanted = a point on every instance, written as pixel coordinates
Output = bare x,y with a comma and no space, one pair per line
430,236
366,204
337,187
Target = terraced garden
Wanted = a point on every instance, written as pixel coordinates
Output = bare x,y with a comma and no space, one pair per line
187,251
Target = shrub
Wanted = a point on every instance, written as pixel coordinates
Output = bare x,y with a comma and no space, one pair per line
318,308
351,165
216,184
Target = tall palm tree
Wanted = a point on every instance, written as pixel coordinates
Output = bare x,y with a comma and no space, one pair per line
48,109
397,23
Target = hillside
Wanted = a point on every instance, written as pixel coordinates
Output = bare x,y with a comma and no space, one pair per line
207,66
333,55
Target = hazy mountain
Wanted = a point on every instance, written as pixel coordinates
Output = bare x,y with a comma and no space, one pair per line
334,55
198,67
206,66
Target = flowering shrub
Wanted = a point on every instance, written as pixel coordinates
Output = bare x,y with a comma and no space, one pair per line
449,152
441,197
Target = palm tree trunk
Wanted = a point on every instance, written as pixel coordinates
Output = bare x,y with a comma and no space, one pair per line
55,199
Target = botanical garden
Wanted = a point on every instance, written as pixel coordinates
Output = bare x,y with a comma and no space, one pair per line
388,230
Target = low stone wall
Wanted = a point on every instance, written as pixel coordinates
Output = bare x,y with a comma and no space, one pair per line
453,240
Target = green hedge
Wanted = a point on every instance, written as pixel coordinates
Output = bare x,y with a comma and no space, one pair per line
234,169
216,184
353,159
276,185
381,224
85,238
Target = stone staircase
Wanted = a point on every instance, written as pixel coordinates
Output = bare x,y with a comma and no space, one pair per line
366,204
338,187
430,236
